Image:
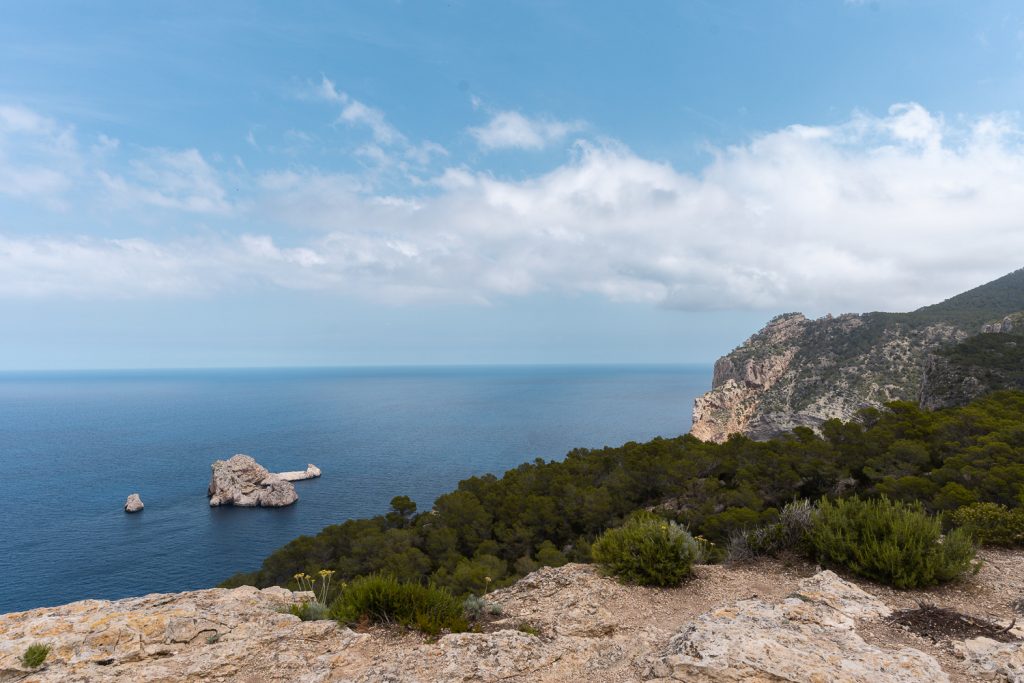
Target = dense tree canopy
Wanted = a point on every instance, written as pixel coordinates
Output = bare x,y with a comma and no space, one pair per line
491,530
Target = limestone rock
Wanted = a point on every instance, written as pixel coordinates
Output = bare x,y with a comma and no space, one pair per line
799,373
990,660
207,635
133,504
311,472
242,481
592,628
808,637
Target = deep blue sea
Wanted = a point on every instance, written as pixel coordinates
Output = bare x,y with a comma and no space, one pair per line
74,445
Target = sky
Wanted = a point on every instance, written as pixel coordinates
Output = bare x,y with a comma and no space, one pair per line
197,184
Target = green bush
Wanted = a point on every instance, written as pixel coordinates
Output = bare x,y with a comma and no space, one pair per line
383,599
477,608
890,542
991,523
790,532
647,550
309,611
35,655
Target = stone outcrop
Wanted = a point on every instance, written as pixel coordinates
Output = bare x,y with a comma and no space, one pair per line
799,372
584,627
989,660
133,504
311,472
810,636
243,482
210,635
981,364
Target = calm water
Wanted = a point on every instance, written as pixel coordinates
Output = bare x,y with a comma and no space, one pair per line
73,446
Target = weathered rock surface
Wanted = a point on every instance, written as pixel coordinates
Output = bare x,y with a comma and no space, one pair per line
799,373
810,636
209,635
981,364
990,660
242,481
311,472
133,504
590,629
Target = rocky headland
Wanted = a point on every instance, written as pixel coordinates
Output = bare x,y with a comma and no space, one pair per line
798,372
243,482
767,622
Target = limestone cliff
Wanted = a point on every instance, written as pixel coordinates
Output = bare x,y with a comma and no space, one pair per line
801,372
983,363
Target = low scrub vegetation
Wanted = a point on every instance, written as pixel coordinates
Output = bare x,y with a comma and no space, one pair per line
383,599
477,608
647,550
890,542
789,533
35,655
491,530
991,523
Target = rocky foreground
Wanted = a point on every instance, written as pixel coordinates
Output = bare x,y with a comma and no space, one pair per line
764,622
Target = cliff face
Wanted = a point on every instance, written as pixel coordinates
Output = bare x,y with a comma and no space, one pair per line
801,372
983,363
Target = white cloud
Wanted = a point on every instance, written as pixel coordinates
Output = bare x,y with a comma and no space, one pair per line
171,179
887,212
354,112
38,158
512,130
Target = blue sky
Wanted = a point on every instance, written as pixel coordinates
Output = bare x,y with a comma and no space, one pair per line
394,182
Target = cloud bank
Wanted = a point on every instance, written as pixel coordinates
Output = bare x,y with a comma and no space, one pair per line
878,212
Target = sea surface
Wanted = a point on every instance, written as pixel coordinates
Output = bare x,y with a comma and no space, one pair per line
74,445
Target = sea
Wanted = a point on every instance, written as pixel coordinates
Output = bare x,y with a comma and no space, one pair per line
73,445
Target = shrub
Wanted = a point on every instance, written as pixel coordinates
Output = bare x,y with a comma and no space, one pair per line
647,550
528,629
35,655
789,533
890,542
310,611
991,523
476,608
383,599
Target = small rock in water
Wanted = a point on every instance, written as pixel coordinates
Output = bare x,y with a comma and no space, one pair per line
133,504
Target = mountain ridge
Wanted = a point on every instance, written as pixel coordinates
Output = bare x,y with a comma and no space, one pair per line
798,372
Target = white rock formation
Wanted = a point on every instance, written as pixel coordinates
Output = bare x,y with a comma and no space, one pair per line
133,504
990,660
242,481
810,636
311,472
